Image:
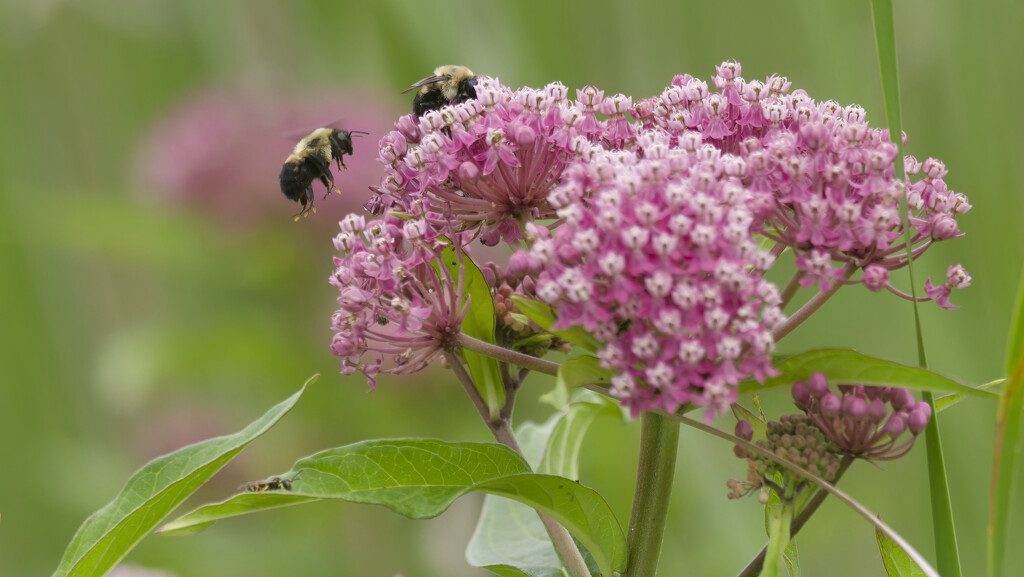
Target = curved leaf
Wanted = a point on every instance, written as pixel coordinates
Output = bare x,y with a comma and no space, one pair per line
575,373
561,456
544,316
153,492
478,323
845,366
420,478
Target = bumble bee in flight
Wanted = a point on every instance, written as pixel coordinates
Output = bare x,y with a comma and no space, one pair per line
449,85
311,160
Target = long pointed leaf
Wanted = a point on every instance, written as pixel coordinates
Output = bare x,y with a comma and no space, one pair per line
845,366
153,492
420,478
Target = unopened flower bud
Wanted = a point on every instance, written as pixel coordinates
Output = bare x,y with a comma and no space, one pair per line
744,430
801,394
818,384
895,426
854,406
919,417
830,405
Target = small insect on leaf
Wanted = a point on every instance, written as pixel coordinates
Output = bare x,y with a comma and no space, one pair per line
271,484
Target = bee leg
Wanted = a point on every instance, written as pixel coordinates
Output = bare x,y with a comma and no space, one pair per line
325,176
328,179
307,203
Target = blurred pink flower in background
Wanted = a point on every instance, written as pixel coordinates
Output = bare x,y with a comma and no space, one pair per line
220,151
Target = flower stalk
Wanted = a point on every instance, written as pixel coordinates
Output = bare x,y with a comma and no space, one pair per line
658,446
507,355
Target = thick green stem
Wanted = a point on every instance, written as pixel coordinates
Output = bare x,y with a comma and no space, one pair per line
757,563
779,519
658,445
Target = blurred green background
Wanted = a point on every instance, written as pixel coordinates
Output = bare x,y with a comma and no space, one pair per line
155,290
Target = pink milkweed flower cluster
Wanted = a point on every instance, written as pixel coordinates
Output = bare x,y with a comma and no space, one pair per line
399,307
823,179
486,164
863,421
654,256
640,217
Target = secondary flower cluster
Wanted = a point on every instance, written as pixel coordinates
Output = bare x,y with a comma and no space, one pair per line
795,438
400,307
863,421
654,255
824,180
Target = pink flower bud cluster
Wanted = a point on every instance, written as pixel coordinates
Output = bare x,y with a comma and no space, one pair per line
654,256
399,306
823,180
863,421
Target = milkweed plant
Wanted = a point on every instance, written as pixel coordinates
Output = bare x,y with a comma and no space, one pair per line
641,234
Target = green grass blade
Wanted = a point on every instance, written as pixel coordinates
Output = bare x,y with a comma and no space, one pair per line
1007,443
948,555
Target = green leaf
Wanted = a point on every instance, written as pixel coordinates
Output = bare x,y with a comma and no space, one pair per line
479,323
1007,442
946,401
420,478
897,562
153,492
791,559
563,448
573,374
844,366
545,318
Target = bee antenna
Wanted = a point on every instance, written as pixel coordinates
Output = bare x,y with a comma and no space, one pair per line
358,132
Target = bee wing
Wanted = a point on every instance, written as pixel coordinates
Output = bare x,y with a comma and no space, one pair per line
292,134
426,81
